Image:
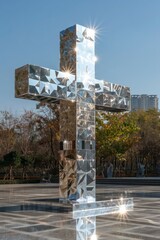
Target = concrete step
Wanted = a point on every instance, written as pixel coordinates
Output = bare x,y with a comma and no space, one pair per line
130,181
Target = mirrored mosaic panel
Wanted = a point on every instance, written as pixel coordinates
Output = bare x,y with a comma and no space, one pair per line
85,121
86,228
68,164
21,81
111,97
67,175
85,106
86,173
90,209
67,50
37,83
77,56
85,65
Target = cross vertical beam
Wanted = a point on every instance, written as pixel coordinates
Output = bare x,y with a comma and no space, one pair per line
77,164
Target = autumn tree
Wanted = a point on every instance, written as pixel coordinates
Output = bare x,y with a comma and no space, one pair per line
48,127
27,140
7,132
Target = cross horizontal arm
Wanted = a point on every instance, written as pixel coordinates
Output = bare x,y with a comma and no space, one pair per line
111,97
44,84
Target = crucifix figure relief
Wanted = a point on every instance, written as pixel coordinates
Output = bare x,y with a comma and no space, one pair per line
79,94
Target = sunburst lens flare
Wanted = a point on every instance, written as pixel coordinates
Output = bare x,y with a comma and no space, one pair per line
90,32
96,29
122,209
121,199
66,74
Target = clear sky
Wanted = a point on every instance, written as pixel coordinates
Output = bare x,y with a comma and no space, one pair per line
127,46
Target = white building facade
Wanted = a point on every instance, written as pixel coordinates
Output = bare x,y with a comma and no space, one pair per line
144,102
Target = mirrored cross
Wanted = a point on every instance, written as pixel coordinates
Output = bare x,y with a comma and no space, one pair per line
79,94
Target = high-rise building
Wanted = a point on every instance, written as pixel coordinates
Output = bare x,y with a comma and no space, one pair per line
144,102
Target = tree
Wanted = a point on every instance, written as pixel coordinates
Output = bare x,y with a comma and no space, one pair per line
115,134
48,127
148,149
7,132
10,160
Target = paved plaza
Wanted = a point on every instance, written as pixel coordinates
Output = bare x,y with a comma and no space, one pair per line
33,212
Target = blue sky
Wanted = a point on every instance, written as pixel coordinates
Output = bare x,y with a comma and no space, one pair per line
127,46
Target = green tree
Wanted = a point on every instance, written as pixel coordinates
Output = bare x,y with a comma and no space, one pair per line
148,149
116,133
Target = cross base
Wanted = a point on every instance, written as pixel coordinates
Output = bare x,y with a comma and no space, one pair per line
85,214
97,208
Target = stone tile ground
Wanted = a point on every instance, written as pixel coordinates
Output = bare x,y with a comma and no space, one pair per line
32,212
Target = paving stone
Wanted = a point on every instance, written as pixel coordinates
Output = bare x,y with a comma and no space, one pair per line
35,228
32,212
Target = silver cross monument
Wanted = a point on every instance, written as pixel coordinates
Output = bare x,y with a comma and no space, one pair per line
79,94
